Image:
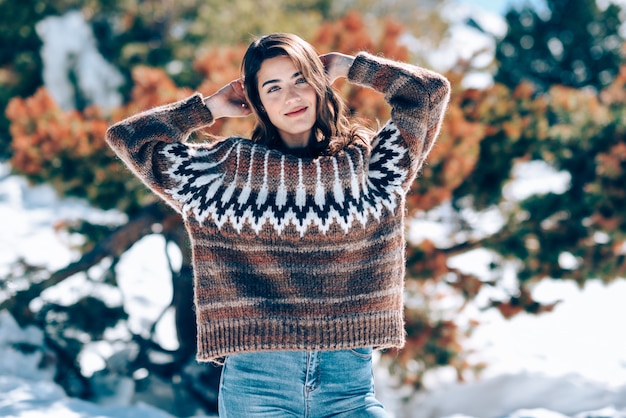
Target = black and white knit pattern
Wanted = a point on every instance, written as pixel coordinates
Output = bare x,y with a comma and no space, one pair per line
239,182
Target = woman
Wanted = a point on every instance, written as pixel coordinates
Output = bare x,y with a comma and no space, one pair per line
298,234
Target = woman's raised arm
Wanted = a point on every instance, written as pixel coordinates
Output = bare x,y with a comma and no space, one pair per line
418,99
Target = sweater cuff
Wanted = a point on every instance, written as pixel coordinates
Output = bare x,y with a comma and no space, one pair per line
363,69
192,113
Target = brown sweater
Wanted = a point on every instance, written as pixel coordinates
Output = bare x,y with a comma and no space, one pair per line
293,253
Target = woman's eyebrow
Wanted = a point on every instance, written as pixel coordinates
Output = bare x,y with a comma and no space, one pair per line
297,74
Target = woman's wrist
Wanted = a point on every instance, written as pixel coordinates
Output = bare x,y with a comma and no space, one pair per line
347,61
213,104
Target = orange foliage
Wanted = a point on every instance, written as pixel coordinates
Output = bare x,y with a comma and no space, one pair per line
433,339
348,35
578,110
612,164
390,45
616,91
453,157
351,35
468,285
219,66
610,174
429,344
41,131
427,260
152,87
523,303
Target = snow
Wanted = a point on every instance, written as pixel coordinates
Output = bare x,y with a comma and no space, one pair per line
27,389
24,398
69,46
582,335
546,396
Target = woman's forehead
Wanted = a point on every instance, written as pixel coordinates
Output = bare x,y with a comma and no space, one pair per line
279,68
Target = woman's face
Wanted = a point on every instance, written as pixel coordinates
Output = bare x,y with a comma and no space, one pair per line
289,101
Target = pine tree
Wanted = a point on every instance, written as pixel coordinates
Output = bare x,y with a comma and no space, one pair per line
572,43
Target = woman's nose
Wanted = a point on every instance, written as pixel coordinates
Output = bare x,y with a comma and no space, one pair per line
292,95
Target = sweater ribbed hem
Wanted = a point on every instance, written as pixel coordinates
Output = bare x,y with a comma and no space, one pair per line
222,338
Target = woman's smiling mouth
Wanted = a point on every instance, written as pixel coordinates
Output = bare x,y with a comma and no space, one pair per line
297,111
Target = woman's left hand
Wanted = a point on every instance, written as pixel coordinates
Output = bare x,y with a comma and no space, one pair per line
229,101
337,65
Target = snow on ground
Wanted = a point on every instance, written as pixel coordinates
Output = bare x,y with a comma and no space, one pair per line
27,389
558,364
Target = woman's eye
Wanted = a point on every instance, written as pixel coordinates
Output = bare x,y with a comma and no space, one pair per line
301,80
273,88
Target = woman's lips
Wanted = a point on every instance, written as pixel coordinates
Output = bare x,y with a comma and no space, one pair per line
296,112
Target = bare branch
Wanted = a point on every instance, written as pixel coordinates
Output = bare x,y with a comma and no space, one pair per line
114,245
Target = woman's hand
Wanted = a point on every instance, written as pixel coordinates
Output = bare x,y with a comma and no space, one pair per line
229,101
337,65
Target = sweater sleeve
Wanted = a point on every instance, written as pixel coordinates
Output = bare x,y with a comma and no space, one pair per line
139,139
418,98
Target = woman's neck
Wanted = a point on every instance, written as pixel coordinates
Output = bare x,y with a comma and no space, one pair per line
307,151
301,152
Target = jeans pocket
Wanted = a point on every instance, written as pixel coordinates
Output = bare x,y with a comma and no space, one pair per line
364,353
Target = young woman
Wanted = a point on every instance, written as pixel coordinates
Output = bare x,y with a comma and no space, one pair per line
297,234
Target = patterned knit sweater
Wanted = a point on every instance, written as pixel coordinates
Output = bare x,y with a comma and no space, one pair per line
293,253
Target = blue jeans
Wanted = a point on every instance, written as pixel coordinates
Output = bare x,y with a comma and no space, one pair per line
306,384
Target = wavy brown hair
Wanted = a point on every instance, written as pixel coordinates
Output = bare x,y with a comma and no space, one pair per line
332,130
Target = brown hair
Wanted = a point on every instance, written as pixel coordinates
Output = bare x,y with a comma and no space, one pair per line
332,129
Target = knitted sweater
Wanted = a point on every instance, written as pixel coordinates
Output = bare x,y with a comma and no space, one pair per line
293,253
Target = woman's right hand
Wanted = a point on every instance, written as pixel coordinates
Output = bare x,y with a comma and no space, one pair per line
229,101
336,65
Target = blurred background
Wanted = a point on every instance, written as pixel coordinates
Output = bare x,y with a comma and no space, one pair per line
521,205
